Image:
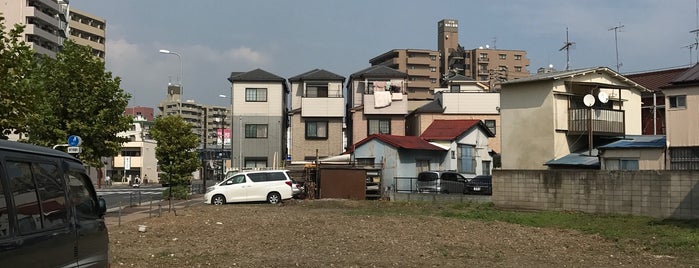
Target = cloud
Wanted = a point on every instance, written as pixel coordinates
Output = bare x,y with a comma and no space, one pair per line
247,54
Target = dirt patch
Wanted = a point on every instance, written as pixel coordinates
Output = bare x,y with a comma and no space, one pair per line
324,233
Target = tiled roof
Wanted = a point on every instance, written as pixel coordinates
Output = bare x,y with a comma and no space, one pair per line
402,142
379,71
655,80
431,107
317,74
257,75
452,129
637,141
689,77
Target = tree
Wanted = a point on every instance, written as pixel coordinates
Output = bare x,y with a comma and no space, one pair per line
176,149
80,98
18,92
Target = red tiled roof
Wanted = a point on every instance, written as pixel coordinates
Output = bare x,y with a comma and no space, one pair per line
655,80
448,129
403,142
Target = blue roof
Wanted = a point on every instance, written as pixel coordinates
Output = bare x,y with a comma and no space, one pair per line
637,141
577,159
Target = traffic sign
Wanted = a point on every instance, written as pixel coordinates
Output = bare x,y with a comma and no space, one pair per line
73,150
74,140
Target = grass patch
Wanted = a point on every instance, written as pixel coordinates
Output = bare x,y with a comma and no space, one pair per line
661,237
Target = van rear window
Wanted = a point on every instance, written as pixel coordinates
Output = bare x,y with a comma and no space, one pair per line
427,177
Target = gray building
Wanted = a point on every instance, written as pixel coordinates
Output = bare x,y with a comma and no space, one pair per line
259,113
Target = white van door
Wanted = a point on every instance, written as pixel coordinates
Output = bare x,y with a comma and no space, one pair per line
235,188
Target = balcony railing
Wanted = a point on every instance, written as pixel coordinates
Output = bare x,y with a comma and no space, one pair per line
603,121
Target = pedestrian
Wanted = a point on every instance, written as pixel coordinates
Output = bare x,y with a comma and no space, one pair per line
107,181
145,178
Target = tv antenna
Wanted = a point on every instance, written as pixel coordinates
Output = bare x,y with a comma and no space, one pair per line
617,29
567,45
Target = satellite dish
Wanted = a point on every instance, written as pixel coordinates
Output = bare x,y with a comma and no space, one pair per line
589,100
603,97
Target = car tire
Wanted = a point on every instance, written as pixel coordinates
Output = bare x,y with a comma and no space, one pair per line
218,200
274,198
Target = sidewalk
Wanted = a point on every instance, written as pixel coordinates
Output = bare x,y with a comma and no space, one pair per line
117,216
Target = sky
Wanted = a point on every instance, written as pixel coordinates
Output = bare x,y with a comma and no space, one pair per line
287,38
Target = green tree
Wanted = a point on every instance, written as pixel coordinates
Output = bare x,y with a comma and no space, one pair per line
80,98
18,92
176,149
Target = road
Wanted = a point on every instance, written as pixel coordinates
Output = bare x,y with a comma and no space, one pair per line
118,196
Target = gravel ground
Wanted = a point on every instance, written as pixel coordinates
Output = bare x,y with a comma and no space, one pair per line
327,233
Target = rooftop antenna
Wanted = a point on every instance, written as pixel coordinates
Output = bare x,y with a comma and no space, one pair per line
495,42
691,46
695,45
567,45
616,44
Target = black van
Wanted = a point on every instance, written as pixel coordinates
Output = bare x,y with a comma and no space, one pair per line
50,215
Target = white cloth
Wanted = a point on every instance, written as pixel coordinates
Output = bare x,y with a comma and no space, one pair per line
382,99
397,96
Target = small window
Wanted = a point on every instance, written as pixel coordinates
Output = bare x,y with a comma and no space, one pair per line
486,167
255,131
255,94
433,57
677,102
491,125
621,164
316,130
255,162
518,68
433,80
433,69
518,57
365,161
502,56
379,126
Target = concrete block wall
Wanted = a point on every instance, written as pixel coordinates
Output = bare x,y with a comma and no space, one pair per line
659,194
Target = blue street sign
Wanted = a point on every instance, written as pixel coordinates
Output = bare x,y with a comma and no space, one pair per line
74,140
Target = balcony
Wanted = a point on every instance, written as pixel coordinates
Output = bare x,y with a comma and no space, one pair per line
322,107
397,105
483,59
604,122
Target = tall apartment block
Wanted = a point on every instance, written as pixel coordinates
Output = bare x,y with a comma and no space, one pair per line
483,64
421,65
45,21
87,30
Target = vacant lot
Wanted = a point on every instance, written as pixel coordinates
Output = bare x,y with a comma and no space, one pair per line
324,233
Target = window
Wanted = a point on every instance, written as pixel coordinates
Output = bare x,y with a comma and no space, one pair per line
255,131
365,161
84,202
317,90
484,56
455,88
422,165
316,129
433,69
412,79
52,195
256,94
255,162
502,56
433,57
518,68
486,167
411,67
684,158
379,126
467,159
518,57
491,125
433,80
678,101
621,164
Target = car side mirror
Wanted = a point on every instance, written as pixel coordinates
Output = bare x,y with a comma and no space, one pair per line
101,206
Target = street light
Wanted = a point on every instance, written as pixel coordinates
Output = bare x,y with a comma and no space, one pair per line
179,78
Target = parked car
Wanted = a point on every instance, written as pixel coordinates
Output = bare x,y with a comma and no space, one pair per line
440,182
297,189
50,214
272,186
482,184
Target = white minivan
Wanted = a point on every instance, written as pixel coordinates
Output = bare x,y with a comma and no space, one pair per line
272,186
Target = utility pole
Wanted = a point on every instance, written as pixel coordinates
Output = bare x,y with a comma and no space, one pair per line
616,44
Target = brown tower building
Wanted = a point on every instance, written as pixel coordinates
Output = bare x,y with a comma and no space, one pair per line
421,65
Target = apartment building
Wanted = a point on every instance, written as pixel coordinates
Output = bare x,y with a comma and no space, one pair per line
484,64
259,113
208,122
316,116
421,66
137,156
377,103
88,30
45,21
